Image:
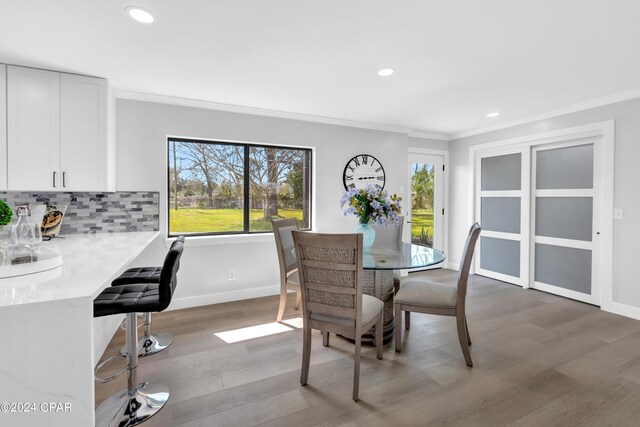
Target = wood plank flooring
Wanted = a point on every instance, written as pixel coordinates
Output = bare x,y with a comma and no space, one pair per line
539,360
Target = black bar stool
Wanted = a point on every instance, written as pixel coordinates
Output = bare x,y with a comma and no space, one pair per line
138,402
150,343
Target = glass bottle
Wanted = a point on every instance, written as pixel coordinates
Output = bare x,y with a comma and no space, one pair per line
23,236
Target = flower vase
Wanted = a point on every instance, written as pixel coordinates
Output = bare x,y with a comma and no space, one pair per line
368,235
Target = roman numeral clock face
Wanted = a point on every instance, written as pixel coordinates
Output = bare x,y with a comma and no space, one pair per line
361,170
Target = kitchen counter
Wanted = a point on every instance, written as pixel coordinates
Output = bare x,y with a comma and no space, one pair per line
51,342
89,263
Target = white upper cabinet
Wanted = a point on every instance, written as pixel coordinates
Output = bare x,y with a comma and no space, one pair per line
58,132
33,113
3,128
84,155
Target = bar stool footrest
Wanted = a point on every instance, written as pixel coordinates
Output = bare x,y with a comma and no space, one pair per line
104,362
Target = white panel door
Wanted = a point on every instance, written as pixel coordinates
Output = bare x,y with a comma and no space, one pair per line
3,127
566,216
33,111
502,209
84,147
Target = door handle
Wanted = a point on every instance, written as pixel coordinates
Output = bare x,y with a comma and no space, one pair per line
54,179
64,179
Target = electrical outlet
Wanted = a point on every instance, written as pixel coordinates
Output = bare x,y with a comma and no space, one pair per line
232,275
618,213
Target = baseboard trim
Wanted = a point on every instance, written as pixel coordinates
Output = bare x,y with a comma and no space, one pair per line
625,310
220,297
452,265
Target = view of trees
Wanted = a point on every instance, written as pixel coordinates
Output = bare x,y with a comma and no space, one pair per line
422,194
422,186
208,176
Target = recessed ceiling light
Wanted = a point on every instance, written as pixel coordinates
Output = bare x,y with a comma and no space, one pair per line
386,72
493,114
140,14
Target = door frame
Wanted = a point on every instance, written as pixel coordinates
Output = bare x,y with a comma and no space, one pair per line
445,193
604,129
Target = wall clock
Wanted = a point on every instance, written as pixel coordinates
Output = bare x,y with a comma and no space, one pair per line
361,170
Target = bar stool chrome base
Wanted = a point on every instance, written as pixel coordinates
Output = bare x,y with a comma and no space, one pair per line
152,344
127,410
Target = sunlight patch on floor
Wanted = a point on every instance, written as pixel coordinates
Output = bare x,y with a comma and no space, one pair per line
296,322
252,332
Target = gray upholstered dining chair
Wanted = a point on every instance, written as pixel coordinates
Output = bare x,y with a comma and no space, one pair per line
331,281
420,295
288,265
390,237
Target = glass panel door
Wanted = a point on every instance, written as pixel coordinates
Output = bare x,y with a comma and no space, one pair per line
502,207
564,219
425,219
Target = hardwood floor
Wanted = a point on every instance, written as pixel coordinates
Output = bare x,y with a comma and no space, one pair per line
539,360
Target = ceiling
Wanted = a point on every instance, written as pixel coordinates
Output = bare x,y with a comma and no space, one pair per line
456,60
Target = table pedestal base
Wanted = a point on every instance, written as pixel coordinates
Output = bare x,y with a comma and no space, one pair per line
379,283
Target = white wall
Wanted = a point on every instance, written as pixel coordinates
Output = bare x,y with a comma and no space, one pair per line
433,144
142,130
627,176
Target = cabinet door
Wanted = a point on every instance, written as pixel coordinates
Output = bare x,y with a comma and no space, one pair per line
84,147
3,127
33,104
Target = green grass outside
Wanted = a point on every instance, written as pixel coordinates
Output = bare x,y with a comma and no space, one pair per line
226,220
421,218
221,220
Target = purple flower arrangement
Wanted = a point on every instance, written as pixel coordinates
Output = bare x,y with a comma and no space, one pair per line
371,204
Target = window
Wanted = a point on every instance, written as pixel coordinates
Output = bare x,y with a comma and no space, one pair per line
233,188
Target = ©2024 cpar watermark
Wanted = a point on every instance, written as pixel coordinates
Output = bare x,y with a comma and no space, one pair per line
44,407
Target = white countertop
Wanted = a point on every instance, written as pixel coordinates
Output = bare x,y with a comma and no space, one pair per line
89,263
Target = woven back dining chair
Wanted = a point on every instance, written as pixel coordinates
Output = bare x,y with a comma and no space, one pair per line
288,265
331,280
389,237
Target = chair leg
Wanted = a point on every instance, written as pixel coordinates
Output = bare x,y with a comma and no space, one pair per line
306,354
356,368
407,320
283,303
298,300
466,326
398,327
379,343
462,337
325,338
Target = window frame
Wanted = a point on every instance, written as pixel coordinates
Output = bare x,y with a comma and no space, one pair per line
246,184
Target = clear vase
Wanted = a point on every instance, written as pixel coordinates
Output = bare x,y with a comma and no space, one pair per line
368,235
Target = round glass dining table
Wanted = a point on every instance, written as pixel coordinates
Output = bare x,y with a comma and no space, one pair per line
406,257
379,265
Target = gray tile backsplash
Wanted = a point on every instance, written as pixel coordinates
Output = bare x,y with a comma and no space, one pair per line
97,212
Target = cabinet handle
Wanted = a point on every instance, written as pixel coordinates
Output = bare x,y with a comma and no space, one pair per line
64,179
54,179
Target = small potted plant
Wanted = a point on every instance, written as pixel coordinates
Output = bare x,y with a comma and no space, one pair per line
370,204
6,239
5,213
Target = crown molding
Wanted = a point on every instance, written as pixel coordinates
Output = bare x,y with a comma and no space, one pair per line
196,103
429,135
587,105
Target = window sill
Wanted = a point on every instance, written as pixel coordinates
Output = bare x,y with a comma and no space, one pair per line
196,241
